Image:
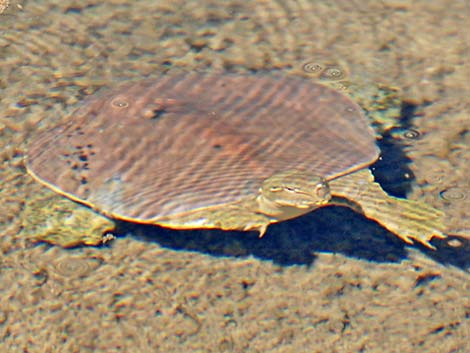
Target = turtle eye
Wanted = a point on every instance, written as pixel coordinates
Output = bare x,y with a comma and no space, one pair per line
275,188
291,189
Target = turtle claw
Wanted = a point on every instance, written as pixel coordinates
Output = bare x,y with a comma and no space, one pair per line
413,221
262,230
423,238
411,239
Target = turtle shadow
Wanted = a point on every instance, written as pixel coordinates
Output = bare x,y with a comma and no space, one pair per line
294,242
329,229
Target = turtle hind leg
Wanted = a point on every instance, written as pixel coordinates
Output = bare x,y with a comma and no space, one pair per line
57,220
408,219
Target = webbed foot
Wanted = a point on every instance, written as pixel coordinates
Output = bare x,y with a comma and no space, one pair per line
412,220
54,219
408,219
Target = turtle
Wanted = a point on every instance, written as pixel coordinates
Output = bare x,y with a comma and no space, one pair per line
221,151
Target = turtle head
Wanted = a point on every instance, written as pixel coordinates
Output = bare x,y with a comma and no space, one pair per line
296,189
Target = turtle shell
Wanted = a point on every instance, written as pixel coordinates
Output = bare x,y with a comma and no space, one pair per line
166,146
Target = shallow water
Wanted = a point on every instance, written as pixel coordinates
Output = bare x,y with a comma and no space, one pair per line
330,281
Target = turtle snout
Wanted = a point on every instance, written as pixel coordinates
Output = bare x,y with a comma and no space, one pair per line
322,192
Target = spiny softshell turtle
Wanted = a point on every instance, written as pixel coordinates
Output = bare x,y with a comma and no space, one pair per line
234,152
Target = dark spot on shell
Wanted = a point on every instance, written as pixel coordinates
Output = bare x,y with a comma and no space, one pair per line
158,113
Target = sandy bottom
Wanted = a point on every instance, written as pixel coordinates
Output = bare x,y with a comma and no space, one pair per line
327,282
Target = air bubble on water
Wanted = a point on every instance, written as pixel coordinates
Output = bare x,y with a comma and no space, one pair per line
454,194
312,67
120,103
332,73
411,134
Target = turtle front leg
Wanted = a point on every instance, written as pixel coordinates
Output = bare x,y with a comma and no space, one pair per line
408,219
227,217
